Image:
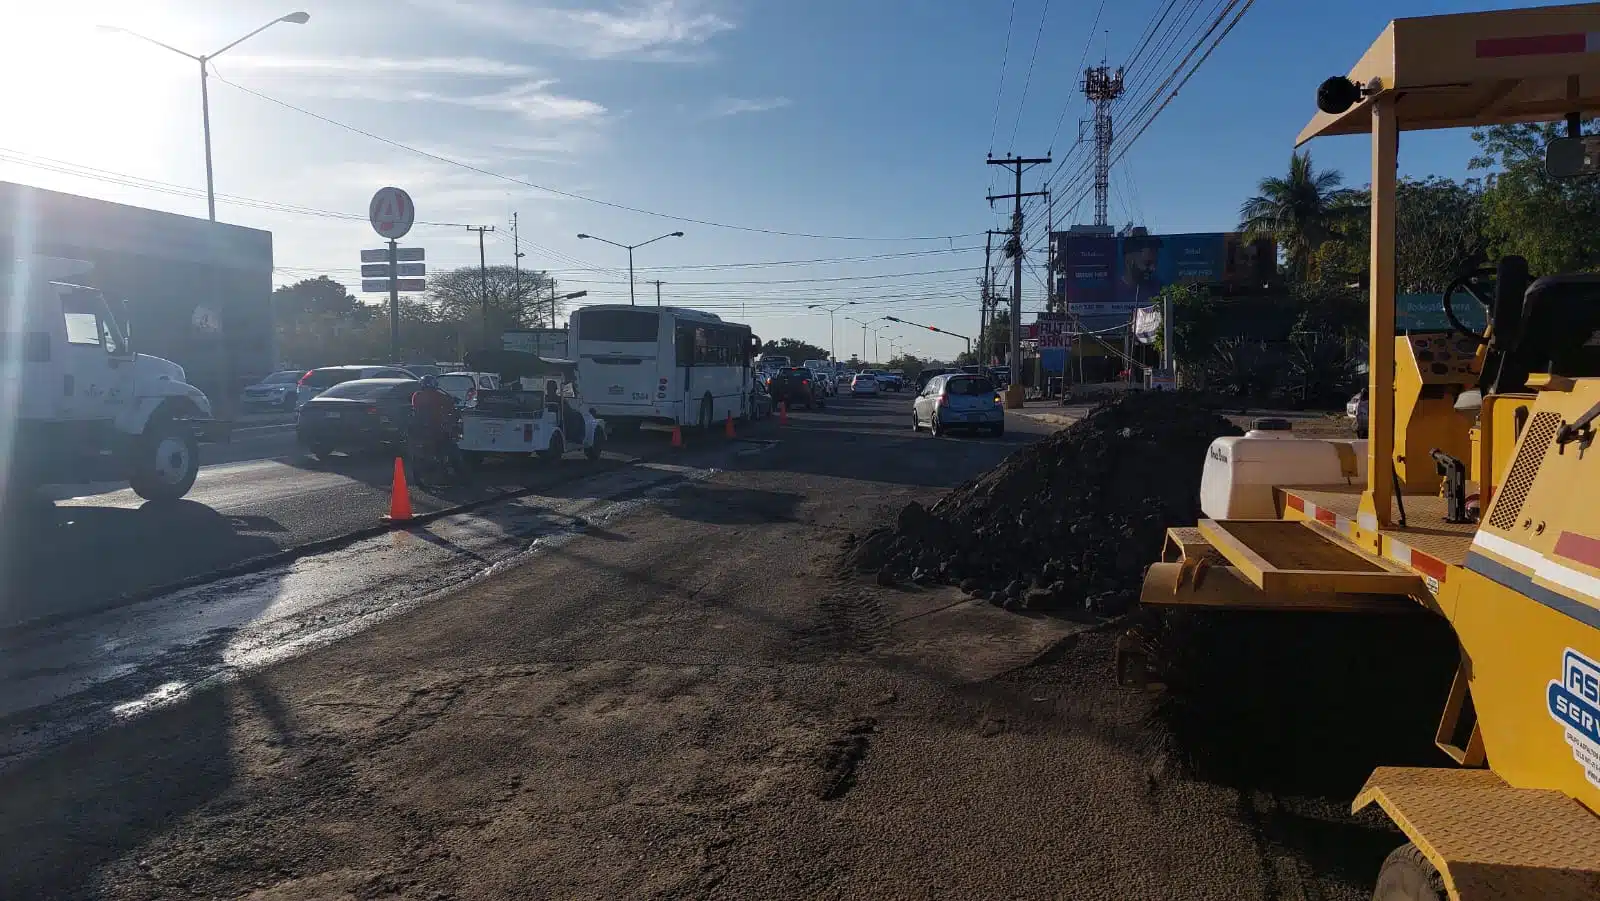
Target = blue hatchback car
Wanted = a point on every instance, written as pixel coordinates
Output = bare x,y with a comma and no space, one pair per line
959,400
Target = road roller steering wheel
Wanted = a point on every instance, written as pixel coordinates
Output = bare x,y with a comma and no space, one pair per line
1470,283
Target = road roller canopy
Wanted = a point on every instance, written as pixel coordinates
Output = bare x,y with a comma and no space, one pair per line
1471,69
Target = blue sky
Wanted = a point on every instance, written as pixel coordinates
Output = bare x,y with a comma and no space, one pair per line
866,119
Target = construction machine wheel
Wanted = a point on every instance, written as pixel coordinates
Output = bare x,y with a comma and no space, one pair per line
1408,875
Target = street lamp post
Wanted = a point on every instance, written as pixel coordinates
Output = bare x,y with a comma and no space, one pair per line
296,18
555,300
833,346
629,248
864,327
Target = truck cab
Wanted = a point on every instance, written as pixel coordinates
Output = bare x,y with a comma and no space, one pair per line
82,405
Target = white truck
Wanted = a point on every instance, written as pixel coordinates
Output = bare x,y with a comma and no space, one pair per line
78,403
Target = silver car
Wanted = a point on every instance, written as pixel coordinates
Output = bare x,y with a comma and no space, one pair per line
959,401
278,391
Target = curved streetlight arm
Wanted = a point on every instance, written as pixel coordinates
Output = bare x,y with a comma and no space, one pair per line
605,241
659,237
298,18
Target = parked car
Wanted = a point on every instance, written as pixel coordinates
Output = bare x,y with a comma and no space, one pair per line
421,369
464,386
863,383
319,380
357,415
760,400
1356,412
277,391
959,401
926,376
795,386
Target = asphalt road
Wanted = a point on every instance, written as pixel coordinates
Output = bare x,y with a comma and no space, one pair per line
655,683
256,497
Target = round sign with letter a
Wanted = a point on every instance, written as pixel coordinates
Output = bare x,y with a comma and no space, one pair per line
391,213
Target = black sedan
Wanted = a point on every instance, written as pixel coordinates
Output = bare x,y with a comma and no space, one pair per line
795,387
360,415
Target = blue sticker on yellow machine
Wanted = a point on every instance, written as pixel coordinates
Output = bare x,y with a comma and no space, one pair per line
1575,703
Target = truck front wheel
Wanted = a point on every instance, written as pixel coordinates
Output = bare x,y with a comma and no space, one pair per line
166,460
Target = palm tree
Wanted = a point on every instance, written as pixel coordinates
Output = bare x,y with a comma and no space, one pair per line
1301,211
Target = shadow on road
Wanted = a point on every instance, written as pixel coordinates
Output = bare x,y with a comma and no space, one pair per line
68,560
71,811
722,505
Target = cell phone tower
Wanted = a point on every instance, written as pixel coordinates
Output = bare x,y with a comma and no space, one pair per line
1102,87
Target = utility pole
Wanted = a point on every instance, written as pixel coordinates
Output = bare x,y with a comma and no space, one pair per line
1018,165
516,265
983,299
1049,250
658,292
483,277
989,297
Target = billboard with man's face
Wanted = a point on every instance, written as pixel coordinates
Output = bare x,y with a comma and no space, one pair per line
1139,277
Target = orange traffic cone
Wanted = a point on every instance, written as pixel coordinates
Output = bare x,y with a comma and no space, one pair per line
677,436
728,428
399,494
783,413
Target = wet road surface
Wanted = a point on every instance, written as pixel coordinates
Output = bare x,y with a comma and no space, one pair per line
103,549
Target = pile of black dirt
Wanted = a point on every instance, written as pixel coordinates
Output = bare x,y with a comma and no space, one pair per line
1301,703
1069,522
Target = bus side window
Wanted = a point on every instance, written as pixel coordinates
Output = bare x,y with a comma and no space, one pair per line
685,345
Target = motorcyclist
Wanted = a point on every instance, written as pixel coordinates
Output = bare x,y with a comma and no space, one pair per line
433,422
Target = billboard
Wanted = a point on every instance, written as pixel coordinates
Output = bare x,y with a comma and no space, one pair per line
1100,275
1139,272
1193,259
1086,265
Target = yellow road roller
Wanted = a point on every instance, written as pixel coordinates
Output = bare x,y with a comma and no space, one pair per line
1476,495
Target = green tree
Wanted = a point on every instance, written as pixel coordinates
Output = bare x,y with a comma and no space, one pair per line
1194,323
1553,222
796,350
517,298
907,363
1441,230
997,337
313,295
1301,211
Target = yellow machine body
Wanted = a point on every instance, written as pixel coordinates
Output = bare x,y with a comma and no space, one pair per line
1519,814
1431,370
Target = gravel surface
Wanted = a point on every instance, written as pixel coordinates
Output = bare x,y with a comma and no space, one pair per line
690,702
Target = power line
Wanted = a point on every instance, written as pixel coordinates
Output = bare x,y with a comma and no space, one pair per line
1124,144
1000,92
1028,79
33,161
560,193
1073,95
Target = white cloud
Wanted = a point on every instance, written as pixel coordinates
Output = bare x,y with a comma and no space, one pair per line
531,101
466,66
733,106
653,30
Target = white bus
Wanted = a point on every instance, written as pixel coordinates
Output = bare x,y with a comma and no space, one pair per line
667,365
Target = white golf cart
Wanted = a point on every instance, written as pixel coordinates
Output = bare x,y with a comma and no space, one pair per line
537,411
